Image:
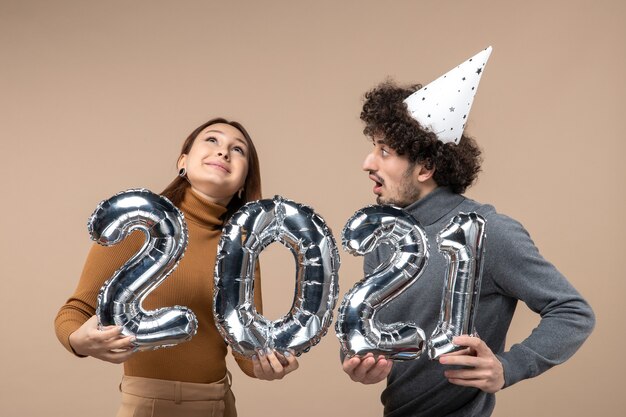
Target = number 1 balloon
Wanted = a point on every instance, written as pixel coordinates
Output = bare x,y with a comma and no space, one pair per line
462,243
120,298
357,327
249,231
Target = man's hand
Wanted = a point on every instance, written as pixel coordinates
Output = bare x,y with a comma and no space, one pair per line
367,370
269,365
485,373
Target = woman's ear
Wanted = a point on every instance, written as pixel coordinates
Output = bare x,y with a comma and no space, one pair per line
181,161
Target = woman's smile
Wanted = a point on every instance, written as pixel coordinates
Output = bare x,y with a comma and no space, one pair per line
218,165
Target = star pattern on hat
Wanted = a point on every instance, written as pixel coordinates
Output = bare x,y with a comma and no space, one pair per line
455,92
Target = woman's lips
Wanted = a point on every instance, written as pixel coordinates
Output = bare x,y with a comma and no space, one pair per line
219,166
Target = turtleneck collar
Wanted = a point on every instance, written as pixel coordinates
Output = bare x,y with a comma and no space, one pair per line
435,205
201,211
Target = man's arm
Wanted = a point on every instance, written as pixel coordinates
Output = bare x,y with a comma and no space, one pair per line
514,263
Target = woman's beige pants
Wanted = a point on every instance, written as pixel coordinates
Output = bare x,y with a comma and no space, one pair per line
147,397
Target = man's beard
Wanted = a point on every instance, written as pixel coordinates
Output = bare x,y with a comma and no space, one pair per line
408,193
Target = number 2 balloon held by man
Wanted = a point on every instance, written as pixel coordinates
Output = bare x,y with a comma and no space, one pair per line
120,298
358,330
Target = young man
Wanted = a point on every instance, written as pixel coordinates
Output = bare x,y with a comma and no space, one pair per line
421,161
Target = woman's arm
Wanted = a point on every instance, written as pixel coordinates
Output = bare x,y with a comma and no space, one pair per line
76,325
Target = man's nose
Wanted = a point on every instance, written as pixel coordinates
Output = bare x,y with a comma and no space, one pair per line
369,164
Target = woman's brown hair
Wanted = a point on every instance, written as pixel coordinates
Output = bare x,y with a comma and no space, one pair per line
175,191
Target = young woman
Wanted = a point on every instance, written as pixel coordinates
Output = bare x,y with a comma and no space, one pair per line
218,173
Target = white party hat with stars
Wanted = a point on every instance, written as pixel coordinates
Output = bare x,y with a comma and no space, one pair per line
443,106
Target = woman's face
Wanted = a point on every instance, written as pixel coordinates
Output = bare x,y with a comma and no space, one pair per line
217,163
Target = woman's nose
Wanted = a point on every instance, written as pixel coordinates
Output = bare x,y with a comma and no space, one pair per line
223,154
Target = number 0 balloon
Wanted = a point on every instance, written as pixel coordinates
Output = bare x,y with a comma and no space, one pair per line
120,298
249,231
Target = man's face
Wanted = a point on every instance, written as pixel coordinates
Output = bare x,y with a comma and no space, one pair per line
395,178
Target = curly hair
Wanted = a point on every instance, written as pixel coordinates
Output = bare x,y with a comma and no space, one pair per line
386,116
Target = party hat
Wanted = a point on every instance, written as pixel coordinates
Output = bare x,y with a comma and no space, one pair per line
443,105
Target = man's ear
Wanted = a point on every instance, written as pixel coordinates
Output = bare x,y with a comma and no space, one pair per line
425,174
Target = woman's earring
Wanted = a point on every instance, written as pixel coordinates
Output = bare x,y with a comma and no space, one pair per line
182,172
240,192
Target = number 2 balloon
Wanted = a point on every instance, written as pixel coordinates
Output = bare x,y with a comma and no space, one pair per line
120,298
358,329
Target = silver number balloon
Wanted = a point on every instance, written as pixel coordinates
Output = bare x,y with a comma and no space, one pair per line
249,231
462,243
357,327
120,298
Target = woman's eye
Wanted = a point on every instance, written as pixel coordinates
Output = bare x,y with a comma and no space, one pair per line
238,149
211,139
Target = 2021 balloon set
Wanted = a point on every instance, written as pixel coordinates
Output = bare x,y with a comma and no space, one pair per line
261,223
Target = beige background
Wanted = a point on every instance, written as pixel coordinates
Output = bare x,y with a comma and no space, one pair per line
96,97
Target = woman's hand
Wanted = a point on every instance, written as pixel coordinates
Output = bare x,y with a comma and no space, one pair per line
107,344
269,364
367,370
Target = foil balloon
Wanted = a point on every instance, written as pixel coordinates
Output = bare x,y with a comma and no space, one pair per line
120,298
249,231
462,243
357,327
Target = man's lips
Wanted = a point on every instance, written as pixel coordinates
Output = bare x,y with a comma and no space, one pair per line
378,182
